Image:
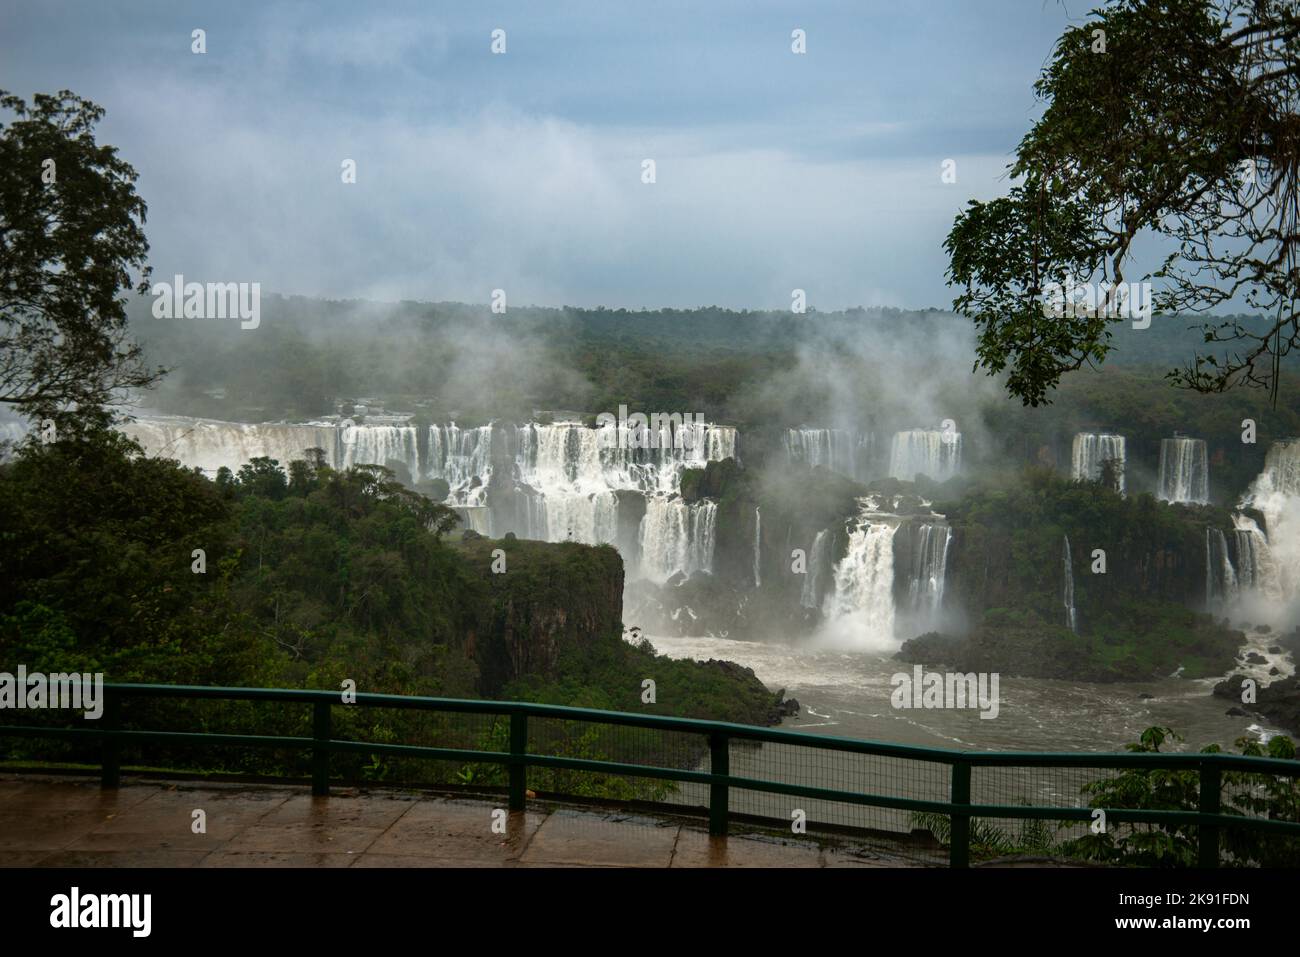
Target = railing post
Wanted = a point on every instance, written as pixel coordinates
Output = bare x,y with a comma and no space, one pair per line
320,752
1208,842
518,766
719,791
959,832
111,748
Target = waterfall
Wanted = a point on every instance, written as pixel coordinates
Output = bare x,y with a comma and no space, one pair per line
1256,569
463,459
676,537
839,450
557,481
1090,450
576,472
1071,615
758,548
209,444
381,445
1270,557
931,452
929,568
1220,577
1184,472
860,612
569,453
818,556
475,518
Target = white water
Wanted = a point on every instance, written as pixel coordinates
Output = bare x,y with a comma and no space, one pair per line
929,569
1221,586
1257,580
676,537
1090,450
380,445
1256,570
930,452
847,692
818,559
860,612
758,548
209,444
1184,471
839,450
463,458
565,478
1071,615
1275,493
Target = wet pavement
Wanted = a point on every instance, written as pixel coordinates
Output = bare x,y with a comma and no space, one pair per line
56,821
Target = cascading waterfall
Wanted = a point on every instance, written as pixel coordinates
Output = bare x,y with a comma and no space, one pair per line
566,478
818,556
209,444
1071,615
839,450
1275,493
475,518
1090,450
935,453
1268,559
758,548
577,472
381,445
860,612
1184,471
1220,577
463,459
929,568
1256,570
676,537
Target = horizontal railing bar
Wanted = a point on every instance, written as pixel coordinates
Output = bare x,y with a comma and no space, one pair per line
1121,815
196,737
1184,760
1132,816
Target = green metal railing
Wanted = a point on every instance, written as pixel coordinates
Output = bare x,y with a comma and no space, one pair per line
717,735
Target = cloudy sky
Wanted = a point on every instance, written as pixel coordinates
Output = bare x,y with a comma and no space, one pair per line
523,171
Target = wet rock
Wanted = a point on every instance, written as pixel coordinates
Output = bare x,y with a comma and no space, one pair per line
1279,702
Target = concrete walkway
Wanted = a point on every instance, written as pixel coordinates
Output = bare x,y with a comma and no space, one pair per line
50,821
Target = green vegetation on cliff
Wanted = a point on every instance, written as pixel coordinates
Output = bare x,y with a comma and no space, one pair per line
144,571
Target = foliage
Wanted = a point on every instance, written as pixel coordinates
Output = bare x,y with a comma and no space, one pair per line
71,235
1132,146
1176,845
990,838
312,578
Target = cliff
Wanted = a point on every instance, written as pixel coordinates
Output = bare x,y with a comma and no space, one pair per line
551,631
544,599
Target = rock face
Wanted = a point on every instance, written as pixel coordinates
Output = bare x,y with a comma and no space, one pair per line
551,616
548,599
1279,703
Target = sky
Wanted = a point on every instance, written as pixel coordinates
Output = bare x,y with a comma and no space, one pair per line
523,171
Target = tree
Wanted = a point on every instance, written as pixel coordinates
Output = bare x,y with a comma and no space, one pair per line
71,235
1173,120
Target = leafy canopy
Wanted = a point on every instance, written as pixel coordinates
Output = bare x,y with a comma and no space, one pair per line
1174,122
71,237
